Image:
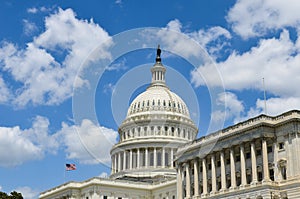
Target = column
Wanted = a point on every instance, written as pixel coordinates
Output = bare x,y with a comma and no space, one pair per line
243,166
187,181
276,168
154,158
130,159
112,164
196,178
124,160
172,159
138,158
179,182
163,158
253,164
265,161
119,161
115,165
146,157
232,169
213,174
223,172
204,176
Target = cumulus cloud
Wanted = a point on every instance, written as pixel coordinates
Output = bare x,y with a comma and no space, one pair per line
234,108
25,145
212,39
27,192
88,143
275,59
48,66
251,18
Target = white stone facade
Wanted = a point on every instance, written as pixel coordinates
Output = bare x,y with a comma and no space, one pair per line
158,156
254,159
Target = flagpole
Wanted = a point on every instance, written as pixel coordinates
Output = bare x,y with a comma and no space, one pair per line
64,175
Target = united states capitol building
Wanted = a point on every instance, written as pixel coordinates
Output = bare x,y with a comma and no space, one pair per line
159,157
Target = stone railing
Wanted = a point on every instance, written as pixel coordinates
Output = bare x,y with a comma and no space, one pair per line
242,125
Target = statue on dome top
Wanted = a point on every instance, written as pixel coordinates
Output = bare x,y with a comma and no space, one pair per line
158,52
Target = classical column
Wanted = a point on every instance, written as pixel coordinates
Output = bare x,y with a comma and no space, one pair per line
112,164
265,161
213,174
187,181
179,182
146,157
243,166
138,158
204,176
172,159
253,164
119,161
223,172
232,169
276,168
154,158
124,160
163,158
196,178
130,159
115,164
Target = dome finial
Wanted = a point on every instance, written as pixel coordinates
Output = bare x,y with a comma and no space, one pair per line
158,52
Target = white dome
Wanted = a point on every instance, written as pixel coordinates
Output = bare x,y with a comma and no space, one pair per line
158,98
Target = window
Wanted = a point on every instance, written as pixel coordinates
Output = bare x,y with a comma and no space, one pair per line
248,155
237,158
258,152
104,197
270,149
218,163
281,145
209,166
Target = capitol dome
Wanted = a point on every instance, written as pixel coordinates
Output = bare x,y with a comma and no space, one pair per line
158,98
157,123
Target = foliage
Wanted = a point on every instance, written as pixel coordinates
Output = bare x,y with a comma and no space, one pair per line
13,195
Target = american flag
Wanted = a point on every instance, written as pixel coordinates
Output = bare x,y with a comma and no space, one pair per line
70,167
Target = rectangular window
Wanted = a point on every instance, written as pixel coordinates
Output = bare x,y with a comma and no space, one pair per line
248,155
270,149
237,158
281,145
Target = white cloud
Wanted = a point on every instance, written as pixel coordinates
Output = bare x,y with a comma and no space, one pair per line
29,27
4,91
25,145
27,192
234,108
251,18
88,143
35,10
103,175
48,66
186,46
276,60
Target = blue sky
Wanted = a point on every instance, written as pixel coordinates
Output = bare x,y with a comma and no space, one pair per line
69,70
